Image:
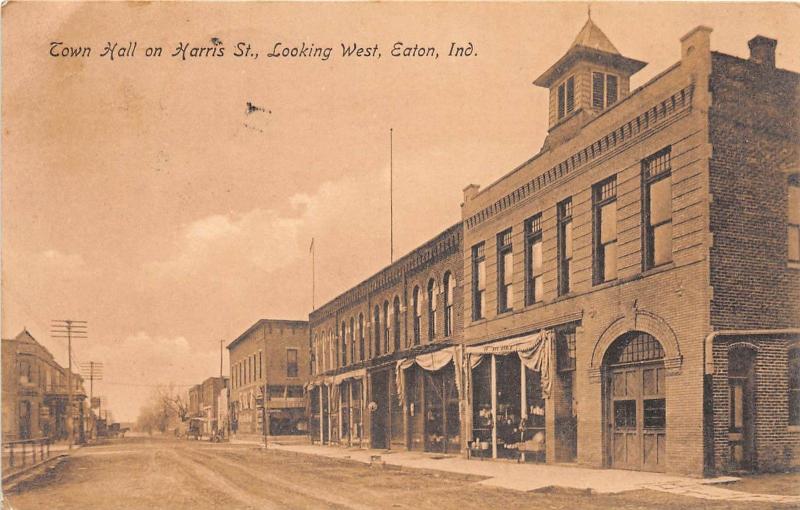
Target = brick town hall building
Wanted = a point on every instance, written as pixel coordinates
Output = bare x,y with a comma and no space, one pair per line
627,298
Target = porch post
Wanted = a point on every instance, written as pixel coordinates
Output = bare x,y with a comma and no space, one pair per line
330,432
350,411
523,393
494,406
321,415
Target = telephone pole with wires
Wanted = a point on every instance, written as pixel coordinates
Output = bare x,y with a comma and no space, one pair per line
69,329
93,371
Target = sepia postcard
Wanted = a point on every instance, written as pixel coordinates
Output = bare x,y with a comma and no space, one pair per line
421,255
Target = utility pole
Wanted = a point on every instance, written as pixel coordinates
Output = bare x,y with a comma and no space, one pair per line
221,342
93,371
69,329
265,398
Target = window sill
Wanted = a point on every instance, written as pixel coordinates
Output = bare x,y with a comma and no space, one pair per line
504,313
477,321
793,265
793,428
658,269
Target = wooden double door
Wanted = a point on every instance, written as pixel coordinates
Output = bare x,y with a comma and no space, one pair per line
636,416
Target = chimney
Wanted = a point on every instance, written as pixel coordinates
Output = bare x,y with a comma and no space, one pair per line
762,50
470,192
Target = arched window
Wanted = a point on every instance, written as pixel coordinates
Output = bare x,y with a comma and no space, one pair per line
332,349
352,340
386,326
396,322
314,356
376,320
431,309
635,347
344,343
416,304
361,336
449,295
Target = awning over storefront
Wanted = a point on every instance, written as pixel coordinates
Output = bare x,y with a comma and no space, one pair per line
431,361
335,380
535,351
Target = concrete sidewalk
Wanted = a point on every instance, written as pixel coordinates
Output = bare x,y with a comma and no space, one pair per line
531,477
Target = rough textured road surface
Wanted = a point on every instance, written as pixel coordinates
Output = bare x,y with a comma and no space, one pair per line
144,473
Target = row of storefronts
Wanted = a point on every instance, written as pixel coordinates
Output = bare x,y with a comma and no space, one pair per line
485,401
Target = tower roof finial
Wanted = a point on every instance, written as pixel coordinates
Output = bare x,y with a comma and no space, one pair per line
589,11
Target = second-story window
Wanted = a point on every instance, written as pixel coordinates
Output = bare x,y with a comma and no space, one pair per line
505,272
361,336
604,90
534,290
657,208
605,230
432,304
566,97
352,340
478,281
416,303
449,296
291,362
376,330
344,343
564,246
385,327
396,323
793,220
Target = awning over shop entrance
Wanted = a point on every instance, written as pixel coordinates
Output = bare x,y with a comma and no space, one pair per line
431,361
535,351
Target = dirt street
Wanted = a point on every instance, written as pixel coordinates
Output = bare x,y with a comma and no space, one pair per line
143,473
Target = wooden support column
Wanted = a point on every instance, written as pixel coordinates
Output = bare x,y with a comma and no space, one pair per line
494,406
523,394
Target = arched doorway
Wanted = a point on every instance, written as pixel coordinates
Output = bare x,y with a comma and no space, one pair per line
636,404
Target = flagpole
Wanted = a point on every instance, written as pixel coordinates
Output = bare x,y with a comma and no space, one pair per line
391,196
313,275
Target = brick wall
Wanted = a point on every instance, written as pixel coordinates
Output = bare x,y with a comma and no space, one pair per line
755,131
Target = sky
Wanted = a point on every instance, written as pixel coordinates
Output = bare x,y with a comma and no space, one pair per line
144,196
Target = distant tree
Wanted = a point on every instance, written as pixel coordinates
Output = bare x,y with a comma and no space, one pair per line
165,409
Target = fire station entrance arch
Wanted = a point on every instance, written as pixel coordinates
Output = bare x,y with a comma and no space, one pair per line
635,403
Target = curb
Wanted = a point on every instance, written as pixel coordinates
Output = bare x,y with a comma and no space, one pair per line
13,480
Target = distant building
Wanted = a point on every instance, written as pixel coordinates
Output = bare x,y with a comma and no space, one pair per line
35,396
270,357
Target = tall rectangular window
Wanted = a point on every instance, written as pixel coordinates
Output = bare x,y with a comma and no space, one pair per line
566,97
260,365
478,281
793,220
564,246
505,272
794,386
291,362
605,230
533,260
565,349
657,209
605,90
